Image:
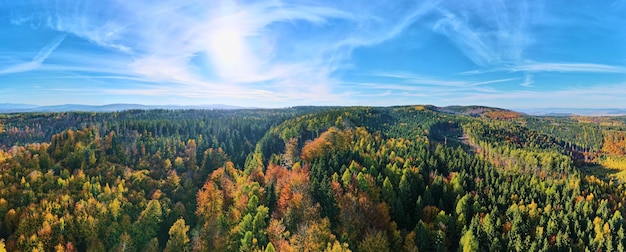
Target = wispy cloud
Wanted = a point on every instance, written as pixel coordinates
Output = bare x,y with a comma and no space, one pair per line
224,45
270,97
316,52
607,95
421,80
381,21
567,67
414,79
528,81
535,67
493,81
487,32
411,85
36,62
504,36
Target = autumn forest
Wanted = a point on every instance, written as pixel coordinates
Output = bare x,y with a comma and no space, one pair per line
410,178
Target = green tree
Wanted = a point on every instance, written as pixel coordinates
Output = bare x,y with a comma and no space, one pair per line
179,241
374,241
468,242
389,195
148,223
270,248
152,246
125,243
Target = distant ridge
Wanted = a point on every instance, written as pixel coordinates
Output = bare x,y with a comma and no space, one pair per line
472,110
20,108
574,111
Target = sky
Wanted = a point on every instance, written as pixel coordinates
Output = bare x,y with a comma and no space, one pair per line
273,53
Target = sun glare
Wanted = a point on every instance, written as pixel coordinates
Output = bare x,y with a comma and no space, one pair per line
228,50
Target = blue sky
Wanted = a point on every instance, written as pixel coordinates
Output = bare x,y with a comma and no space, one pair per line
511,54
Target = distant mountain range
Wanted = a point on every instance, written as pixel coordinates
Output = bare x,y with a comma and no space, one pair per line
574,111
478,110
470,110
16,108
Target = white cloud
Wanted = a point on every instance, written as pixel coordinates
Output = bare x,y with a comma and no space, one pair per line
562,67
567,67
215,48
36,62
598,96
528,81
488,32
292,51
417,80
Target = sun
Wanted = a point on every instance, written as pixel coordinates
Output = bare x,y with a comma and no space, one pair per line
228,51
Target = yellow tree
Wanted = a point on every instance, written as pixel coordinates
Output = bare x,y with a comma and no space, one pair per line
179,241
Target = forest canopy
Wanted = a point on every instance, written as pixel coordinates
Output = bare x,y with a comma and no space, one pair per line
305,179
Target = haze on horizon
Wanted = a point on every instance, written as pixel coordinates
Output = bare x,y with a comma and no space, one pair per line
272,53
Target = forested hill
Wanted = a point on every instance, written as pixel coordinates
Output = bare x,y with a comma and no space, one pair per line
410,178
